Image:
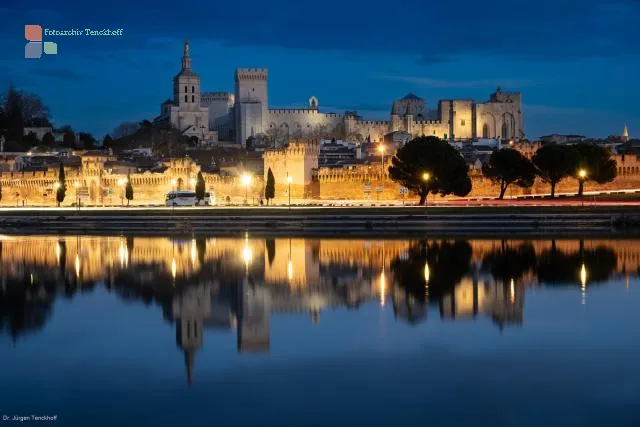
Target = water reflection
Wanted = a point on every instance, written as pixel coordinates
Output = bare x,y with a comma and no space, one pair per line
205,283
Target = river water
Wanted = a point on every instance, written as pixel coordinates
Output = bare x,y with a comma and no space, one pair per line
205,331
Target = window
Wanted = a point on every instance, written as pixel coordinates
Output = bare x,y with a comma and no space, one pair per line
193,98
185,89
193,89
186,98
461,122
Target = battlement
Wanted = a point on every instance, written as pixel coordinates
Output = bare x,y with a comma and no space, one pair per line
296,147
428,122
217,96
293,111
375,122
251,74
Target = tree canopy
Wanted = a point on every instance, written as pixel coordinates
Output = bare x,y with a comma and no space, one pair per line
597,163
200,187
62,185
128,190
554,163
445,166
270,187
508,166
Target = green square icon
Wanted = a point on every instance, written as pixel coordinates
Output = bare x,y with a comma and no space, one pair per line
50,48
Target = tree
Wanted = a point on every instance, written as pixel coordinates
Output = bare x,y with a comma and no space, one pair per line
14,117
107,141
87,140
597,164
554,163
48,139
200,187
508,166
62,186
446,169
31,139
128,190
125,129
270,187
34,112
69,139
278,135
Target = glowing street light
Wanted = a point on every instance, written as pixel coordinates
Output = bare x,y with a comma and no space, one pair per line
289,180
583,283
246,181
174,182
427,274
193,182
426,177
122,182
381,150
582,177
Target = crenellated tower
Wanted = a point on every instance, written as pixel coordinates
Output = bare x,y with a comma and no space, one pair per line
251,102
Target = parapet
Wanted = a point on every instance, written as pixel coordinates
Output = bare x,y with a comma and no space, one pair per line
251,74
217,96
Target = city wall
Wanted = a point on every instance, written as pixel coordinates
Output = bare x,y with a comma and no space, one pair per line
98,185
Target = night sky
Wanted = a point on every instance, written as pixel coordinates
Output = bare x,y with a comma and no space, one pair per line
576,62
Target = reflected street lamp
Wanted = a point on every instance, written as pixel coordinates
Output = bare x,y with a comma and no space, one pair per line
289,179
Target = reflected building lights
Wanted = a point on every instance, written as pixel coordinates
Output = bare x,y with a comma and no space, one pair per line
194,252
58,252
123,254
513,292
77,264
383,288
174,269
290,270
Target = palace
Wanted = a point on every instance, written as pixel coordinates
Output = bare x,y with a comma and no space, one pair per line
246,113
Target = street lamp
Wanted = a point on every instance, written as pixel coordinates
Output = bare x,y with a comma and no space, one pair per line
122,182
582,177
174,182
193,183
289,179
426,177
246,181
381,149
76,185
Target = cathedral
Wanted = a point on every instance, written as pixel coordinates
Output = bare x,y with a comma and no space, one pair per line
245,113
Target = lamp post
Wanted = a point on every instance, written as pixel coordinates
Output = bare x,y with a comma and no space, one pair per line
122,182
381,149
289,179
246,181
174,182
426,177
582,177
76,185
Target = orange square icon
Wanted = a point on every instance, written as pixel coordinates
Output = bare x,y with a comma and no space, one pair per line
33,32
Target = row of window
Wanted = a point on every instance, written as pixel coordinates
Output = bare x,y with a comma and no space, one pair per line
186,89
186,98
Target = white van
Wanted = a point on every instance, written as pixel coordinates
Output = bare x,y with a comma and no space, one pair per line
181,198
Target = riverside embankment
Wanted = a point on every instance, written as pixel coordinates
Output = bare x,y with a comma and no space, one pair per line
478,221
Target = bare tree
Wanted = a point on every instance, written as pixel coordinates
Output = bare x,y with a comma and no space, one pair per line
278,135
125,129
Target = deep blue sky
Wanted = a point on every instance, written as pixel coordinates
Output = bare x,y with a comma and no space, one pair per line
576,62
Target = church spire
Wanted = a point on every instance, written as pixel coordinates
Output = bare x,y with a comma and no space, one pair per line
625,133
186,59
188,358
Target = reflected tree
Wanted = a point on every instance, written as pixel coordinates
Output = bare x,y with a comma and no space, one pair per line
556,267
271,250
510,262
448,263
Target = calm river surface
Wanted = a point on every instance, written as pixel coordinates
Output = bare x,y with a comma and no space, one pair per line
205,331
